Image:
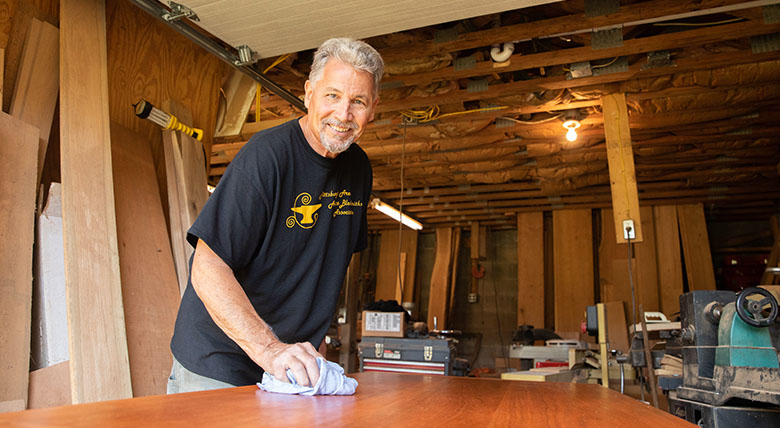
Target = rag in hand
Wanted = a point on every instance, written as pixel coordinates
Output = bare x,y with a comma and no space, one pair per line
332,381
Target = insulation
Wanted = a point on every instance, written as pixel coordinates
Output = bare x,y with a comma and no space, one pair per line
419,64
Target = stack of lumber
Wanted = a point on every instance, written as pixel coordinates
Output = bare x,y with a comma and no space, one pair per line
670,366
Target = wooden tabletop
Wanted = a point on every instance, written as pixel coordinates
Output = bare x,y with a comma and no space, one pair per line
382,400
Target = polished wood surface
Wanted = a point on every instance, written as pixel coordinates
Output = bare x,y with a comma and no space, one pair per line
382,399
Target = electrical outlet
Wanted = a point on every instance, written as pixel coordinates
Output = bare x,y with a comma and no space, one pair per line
628,229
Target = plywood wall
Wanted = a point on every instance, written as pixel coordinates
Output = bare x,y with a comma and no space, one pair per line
148,60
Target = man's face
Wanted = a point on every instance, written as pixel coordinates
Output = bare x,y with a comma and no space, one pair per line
340,106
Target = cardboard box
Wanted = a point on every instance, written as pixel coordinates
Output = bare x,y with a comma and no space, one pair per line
384,324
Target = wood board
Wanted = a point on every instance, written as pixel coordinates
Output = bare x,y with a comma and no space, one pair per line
617,330
37,84
530,269
152,61
620,157
573,264
646,264
239,90
50,386
614,283
387,267
440,277
670,279
18,160
447,400
97,341
150,291
696,247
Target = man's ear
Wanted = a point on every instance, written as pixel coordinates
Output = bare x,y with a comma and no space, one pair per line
373,108
307,93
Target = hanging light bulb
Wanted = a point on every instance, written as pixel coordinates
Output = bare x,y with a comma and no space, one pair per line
571,125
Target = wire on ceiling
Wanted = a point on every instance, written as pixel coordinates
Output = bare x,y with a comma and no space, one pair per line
433,113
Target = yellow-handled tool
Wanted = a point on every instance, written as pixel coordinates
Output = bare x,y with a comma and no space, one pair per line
145,110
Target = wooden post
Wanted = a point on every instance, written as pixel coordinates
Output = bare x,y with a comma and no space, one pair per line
530,269
99,367
648,356
18,160
620,157
573,261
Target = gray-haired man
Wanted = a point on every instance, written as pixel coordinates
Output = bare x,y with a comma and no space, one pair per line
274,241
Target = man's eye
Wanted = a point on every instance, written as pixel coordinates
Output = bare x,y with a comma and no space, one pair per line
359,102
331,96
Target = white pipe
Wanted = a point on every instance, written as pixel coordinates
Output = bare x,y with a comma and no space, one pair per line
499,55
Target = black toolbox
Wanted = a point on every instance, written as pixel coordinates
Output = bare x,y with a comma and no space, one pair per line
421,356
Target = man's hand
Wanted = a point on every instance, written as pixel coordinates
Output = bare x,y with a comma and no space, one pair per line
229,307
301,358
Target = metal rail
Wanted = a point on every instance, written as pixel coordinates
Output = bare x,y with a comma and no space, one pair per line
157,10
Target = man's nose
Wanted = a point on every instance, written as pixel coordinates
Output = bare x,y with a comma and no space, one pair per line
342,110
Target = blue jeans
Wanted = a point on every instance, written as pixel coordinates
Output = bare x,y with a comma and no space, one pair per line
183,380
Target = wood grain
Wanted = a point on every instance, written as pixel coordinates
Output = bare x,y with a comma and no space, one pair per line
151,61
18,157
696,247
646,265
667,237
441,402
37,85
620,157
150,291
530,269
98,345
440,277
573,264
387,266
180,249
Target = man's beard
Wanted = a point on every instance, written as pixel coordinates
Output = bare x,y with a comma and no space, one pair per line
335,144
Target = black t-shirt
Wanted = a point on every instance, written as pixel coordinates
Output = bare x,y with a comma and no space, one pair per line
286,220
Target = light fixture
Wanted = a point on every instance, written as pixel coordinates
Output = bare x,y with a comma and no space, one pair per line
571,125
393,213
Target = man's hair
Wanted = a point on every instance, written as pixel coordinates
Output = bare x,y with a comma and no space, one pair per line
358,54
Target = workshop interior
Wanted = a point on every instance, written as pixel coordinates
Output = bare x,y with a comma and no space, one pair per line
576,200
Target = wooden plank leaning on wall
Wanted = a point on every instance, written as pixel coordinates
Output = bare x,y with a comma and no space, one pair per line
37,85
440,277
573,261
670,278
185,171
530,269
696,247
99,366
387,266
150,291
18,160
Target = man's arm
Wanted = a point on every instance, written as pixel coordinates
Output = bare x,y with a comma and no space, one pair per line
229,307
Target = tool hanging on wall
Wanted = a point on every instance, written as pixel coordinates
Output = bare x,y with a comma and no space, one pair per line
145,110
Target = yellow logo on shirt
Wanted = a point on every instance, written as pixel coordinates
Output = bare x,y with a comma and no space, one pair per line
308,213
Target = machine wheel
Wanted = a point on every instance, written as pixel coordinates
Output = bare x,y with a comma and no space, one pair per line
752,311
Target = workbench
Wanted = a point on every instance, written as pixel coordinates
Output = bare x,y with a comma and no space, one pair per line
382,399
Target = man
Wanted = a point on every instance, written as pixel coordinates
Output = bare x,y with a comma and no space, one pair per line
273,243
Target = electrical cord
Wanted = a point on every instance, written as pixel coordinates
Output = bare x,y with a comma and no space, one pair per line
400,216
434,112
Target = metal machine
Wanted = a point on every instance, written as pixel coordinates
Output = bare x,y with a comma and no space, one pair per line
730,346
